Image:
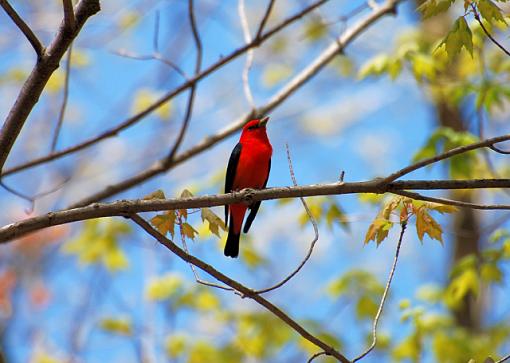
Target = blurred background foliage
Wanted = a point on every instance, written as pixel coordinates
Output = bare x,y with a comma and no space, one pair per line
408,88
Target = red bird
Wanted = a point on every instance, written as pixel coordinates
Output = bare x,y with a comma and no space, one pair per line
248,167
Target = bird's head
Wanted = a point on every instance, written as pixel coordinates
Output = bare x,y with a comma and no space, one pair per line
255,128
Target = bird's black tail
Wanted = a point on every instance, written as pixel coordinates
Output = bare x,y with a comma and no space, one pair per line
232,245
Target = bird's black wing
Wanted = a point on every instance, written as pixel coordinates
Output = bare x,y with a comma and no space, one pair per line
254,208
231,173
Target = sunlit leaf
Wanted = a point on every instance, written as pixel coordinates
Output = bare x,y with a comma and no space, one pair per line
164,223
164,287
121,326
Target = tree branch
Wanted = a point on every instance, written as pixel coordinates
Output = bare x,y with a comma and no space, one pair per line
63,107
477,17
136,118
25,29
292,86
32,88
191,98
249,293
448,154
248,196
455,203
403,226
263,22
69,20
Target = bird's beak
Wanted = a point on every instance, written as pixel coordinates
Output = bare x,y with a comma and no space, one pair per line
263,121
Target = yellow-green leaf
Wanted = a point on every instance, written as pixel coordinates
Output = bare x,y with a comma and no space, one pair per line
459,37
164,287
120,326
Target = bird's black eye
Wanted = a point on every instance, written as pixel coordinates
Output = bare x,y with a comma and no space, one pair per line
252,127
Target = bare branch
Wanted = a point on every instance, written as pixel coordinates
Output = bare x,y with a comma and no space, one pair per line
455,203
456,151
315,229
504,359
290,88
477,17
62,111
191,98
134,119
238,287
249,55
403,226
41,73
264,19
69,20
25,29
126,207
316,355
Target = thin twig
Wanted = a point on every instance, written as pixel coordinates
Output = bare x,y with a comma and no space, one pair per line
155,56
123,207
163,165
68,14
312,221
136,118
189,108
455,203
264,19
249,55
316,355
477,17
238,287
155,38
62,111
195,273
25,29
32,198
403,226
504,359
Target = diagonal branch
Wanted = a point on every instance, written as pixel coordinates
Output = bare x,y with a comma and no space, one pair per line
248,196
249,293
136,118
289,89
264,19
456,151
191,98
403,226
69,20
455,203
63,107
33,87
25,29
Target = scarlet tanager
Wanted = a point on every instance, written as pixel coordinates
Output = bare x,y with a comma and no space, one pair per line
248,167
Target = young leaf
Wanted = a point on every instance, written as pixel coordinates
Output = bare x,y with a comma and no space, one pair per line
158,194
490,11
459,37
164,223
425,224
214,221
434,7
188,230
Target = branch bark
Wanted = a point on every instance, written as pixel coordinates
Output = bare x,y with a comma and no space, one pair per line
33,87
128,207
